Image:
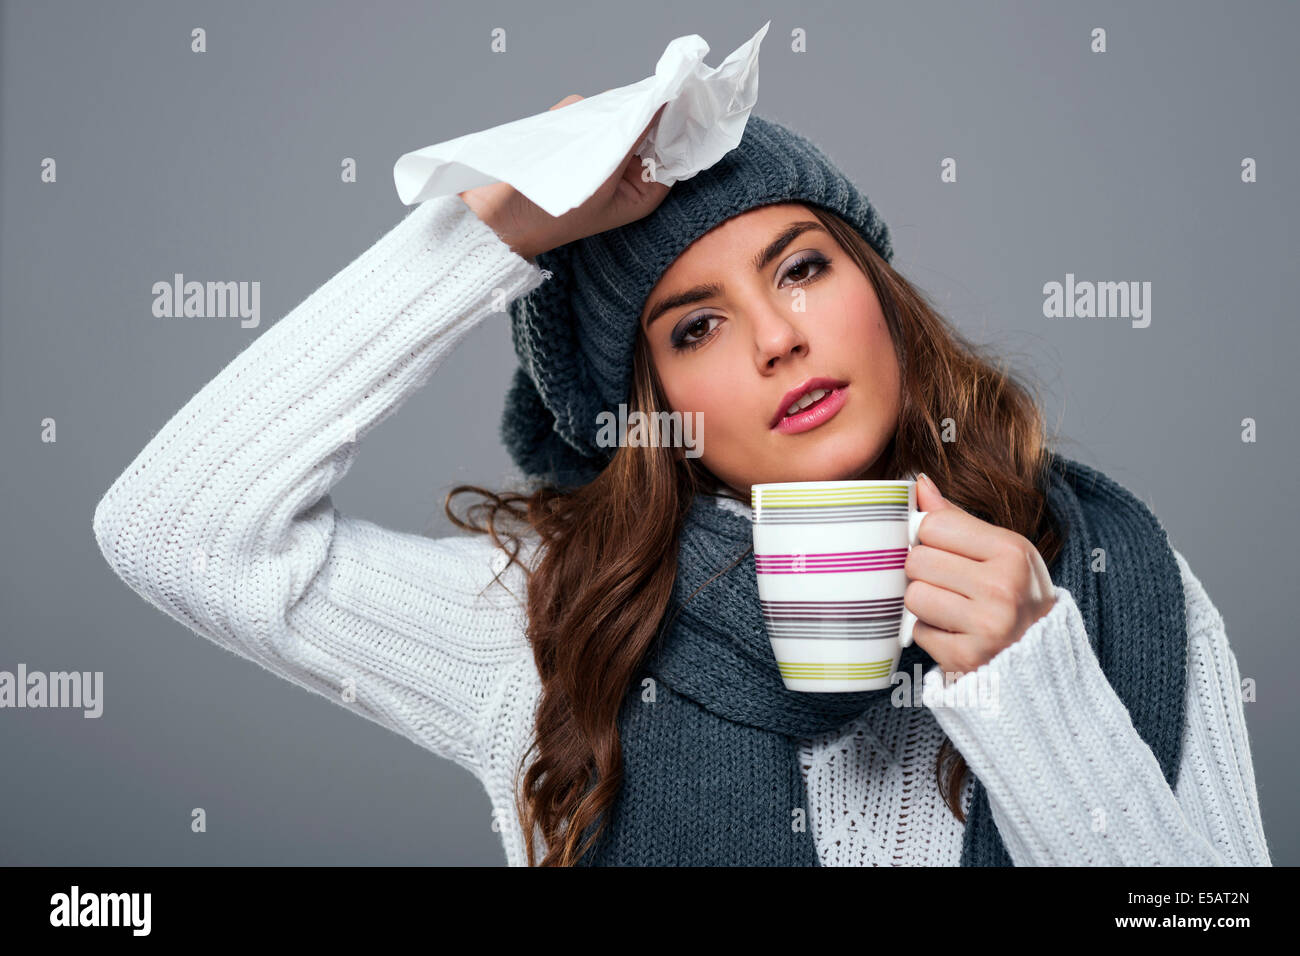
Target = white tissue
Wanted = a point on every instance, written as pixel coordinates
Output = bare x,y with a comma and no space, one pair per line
558,158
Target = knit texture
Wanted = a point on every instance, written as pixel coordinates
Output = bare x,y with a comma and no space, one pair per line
575,334
723,719
224,521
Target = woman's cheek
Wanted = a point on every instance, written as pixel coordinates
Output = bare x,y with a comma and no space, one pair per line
715,407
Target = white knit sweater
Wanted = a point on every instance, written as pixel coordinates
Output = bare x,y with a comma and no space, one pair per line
224,522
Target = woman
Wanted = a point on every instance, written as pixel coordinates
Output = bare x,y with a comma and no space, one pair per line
617,697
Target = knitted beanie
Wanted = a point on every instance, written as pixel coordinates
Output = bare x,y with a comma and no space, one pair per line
575,334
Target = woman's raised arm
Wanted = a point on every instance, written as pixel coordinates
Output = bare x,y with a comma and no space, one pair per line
223,520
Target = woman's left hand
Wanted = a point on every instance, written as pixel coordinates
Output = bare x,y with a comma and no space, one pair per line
975,588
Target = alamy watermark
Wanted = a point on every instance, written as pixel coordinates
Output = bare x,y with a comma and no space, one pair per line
978,690
56,689
651,429
75,908
1098,300
179,299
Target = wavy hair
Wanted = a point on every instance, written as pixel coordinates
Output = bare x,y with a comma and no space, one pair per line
598,594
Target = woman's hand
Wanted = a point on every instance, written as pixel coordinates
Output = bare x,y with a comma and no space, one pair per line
975,588
529,230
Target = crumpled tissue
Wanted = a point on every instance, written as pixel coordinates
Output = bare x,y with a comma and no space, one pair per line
559,158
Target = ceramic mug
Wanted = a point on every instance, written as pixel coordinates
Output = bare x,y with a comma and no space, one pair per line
829,557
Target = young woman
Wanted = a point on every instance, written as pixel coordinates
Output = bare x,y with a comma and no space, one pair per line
617,695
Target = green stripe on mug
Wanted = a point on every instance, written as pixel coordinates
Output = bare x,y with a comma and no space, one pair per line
804,498
831,670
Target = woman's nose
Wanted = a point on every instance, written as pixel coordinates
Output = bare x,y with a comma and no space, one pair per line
777,333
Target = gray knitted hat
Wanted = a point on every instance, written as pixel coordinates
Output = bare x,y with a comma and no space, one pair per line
575,334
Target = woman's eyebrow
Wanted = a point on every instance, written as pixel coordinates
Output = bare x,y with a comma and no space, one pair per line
787,236
710,289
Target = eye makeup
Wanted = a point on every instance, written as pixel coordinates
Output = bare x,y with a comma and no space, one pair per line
681,340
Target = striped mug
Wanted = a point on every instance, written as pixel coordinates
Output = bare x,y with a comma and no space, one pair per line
829,557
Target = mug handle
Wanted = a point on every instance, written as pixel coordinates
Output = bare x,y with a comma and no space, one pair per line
914,520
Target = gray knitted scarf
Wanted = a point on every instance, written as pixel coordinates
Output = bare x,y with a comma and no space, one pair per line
711,774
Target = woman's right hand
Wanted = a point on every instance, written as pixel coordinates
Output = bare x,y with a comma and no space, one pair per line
529,230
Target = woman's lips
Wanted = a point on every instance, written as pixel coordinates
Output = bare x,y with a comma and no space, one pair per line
819,412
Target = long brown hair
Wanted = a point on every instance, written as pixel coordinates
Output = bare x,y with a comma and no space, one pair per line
608,559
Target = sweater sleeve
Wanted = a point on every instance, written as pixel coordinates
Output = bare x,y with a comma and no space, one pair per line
1069,779
223,521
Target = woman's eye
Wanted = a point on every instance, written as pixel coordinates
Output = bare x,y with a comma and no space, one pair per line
799,271
685,339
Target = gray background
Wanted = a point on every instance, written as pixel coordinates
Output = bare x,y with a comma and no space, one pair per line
1115,166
